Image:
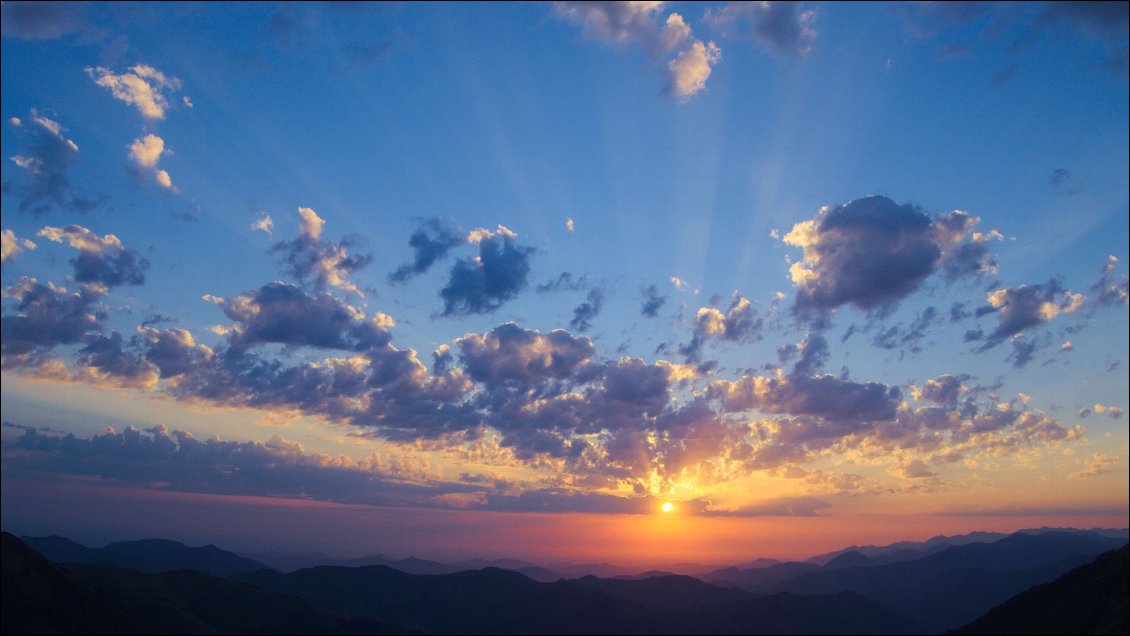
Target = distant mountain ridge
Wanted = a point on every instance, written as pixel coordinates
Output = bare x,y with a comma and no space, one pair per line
147,555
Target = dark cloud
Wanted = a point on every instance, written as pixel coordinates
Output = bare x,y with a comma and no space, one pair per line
740,323
47,316
652,301
46,160
944,390
563,282
586,312
324,263
1111,290
483,284
908,336
430,242
41,20
1107,22
285,314
101,259
1026,306
873,252
1022,352
780,27
107,354
510,354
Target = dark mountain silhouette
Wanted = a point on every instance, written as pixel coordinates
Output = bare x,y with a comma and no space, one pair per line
757,579
499,601
909,550
954,586
1091,599
149,555
39,597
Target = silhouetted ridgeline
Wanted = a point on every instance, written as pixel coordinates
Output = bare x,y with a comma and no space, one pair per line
848,592
1091,599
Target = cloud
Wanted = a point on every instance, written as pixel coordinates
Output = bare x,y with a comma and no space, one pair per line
1111,290
1027,306
285,314
143,87
101,259
1098,464
652,301
740,323
563,282
484,283
431,242
146,152
898,336
569,226
1106,22
873,252
47,316
511,354
106,358
622,23
41,20
46,162
264,224
12,246
779,27
325,263
688,72
1113,412
586,312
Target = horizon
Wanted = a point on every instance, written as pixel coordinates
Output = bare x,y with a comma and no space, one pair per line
651,282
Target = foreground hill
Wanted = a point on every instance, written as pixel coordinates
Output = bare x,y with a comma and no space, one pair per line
39,597
1091,599
952,587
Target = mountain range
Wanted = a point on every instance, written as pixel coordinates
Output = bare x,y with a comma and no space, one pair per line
54,584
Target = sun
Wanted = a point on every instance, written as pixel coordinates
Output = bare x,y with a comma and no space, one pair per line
667,506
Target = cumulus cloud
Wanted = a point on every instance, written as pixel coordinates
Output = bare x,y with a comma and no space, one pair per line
1027,306
142,86
586,312
326,263
12,246
47,316
622,23
146,152
484,283
46,161
873,252
780,27
509,354
41,20
652,301
285,314
688,72
740,323
101,259
431,242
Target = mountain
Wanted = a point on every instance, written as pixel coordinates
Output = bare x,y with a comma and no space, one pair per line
1091,599
756,579
494,601
954,586
149,555
40,597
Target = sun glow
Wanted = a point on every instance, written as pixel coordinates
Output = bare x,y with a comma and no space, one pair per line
667,506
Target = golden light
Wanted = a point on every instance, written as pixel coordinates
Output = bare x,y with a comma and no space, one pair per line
667,506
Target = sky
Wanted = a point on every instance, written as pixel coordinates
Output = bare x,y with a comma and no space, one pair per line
500,280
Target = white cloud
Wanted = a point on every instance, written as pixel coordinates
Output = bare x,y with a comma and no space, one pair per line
264,224
569,226
143,87
691,68
146,151
11,246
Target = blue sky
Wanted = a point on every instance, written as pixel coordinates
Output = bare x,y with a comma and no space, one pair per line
885,248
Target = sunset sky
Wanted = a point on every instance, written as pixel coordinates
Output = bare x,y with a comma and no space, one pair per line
501,280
